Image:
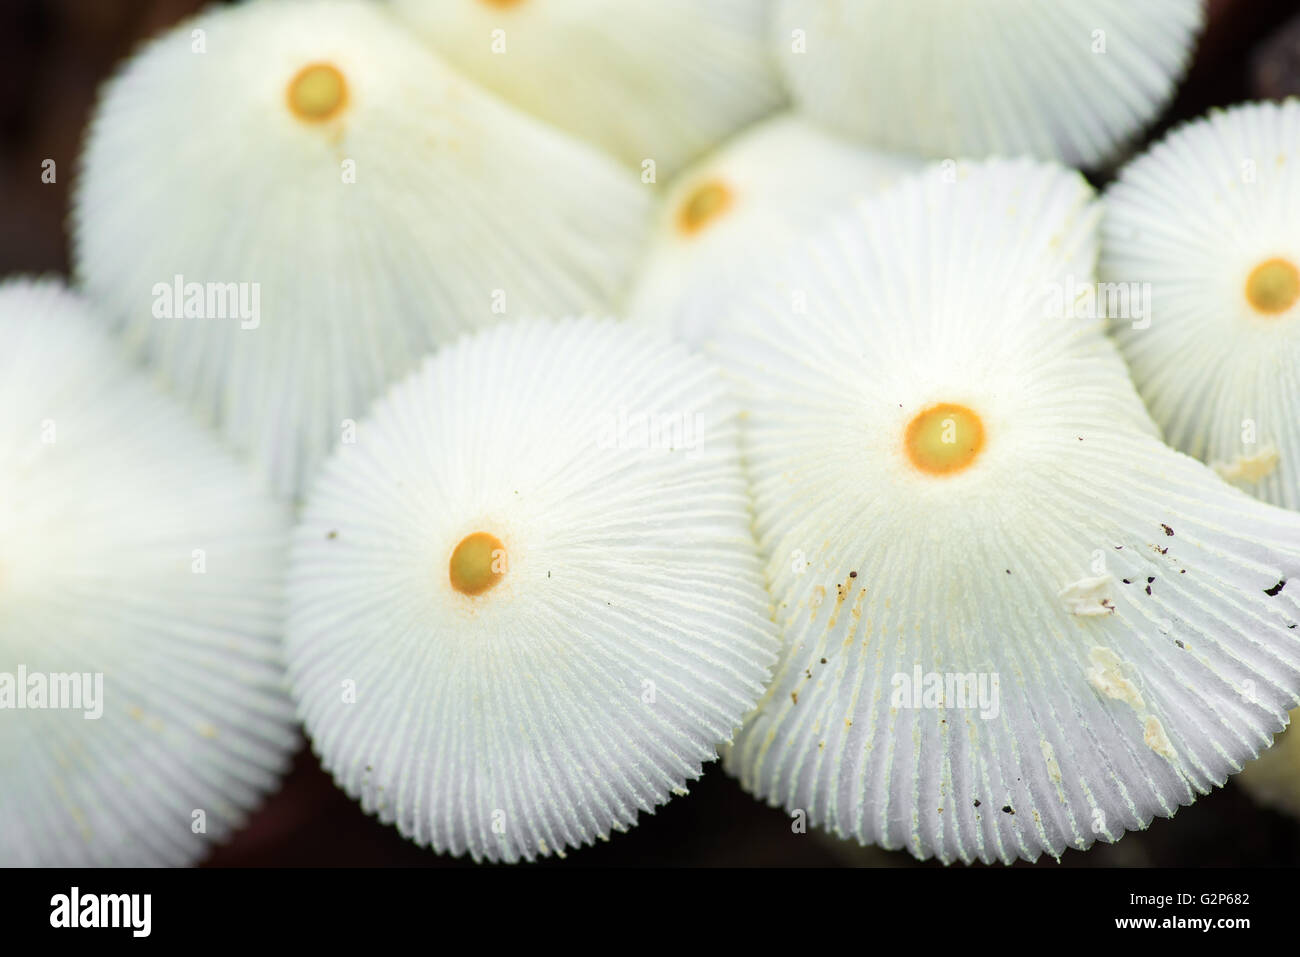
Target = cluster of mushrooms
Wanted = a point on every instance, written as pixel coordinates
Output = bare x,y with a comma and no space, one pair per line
638,384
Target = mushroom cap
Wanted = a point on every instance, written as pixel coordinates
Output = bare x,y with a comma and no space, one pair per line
134,547
666,81
1193,221
232,166
1071,81
772,183
627,632
1125,600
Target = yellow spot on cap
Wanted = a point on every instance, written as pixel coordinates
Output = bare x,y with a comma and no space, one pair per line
317,92
1273,286
706,203
943,439
477,563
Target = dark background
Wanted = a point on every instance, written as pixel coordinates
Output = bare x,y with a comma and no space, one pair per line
53,56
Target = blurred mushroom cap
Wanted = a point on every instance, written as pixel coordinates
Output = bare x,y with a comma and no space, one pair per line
665,81
1071,81
144,709
740,210
283,205
1274,778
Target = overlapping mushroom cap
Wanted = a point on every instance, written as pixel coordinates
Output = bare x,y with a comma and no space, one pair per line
1015,622
526,603
666,81
284,204
743,206
1069,80
142,707
1206,227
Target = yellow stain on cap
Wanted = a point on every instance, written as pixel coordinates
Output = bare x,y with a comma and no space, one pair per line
317,92
477,563
944,439
706,203
1273,286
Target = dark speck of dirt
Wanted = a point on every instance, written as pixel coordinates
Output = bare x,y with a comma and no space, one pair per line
977,803
853,574
1168,530
1006,809
1127,581
1272,592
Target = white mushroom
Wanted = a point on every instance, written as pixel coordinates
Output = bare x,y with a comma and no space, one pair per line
526,604
1015,622
744,206
1201,242
665,81
1070,80
142,702
284,204
1201,231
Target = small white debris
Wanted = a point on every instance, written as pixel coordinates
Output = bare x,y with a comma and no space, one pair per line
1107,676
1049,755
1089,596
1153,733
1248,468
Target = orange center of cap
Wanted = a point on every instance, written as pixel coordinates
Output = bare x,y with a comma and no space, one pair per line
706,203
943,439
1273,286
317,92
477,563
